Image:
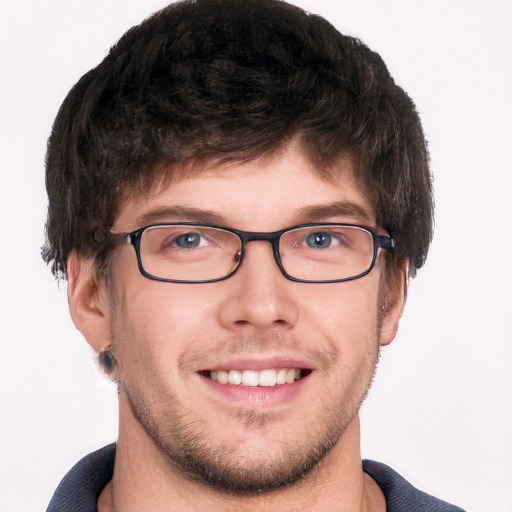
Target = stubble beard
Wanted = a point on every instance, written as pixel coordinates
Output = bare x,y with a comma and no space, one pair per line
192,451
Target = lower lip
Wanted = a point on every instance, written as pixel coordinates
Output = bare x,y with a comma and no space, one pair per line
257,395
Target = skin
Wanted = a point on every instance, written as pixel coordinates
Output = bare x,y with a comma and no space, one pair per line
164,334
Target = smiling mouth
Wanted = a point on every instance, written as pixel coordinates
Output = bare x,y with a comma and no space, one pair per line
264,378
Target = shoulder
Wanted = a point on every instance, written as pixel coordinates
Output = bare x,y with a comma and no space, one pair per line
400,495
80,488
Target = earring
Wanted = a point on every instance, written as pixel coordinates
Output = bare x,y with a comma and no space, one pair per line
108,364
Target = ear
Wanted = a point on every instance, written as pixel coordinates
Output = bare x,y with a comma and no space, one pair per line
393,302
89,302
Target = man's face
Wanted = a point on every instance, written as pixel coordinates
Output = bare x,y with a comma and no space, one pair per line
170,336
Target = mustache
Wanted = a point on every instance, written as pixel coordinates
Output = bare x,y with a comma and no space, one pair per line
287,346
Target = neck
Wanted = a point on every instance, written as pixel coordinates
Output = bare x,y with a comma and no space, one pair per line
144,480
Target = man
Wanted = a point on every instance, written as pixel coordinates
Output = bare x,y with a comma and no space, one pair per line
238,196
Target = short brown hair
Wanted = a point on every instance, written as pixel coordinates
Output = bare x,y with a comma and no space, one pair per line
232,79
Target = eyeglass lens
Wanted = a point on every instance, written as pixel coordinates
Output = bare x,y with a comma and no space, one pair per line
202,253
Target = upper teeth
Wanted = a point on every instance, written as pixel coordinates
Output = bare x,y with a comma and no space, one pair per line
269,377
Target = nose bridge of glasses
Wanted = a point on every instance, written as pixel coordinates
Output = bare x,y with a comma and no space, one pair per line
257,236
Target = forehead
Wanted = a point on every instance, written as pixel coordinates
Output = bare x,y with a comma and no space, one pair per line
264,194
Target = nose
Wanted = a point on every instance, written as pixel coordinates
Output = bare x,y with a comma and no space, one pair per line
258,296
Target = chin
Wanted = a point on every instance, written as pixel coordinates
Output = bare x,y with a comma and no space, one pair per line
265,454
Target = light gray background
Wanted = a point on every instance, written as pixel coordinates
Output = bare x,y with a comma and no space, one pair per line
441,408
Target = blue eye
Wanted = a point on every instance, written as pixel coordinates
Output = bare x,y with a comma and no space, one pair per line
188,240
319,240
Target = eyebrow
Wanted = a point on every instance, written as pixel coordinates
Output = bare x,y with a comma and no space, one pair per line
314,213
341,208
181,213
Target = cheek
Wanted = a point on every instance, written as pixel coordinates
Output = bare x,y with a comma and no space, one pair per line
155,322
153,307
344,310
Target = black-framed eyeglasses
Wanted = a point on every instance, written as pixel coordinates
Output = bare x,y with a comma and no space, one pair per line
188,252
